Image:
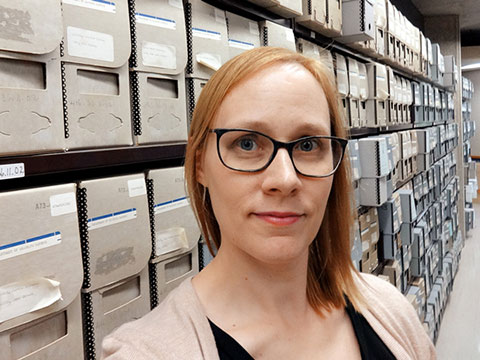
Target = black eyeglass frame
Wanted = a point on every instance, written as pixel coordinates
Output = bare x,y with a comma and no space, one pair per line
280,145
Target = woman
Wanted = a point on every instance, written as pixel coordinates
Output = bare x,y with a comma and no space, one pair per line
265,174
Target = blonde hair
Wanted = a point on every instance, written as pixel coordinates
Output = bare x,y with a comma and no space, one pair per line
330,269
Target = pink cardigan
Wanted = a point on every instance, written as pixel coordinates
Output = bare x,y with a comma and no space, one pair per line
178,328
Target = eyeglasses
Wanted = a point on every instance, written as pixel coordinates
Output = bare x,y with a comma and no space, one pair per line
251,151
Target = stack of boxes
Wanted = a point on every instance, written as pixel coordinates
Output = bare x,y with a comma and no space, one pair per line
95,52
341,76
243,34
41,266
450,79
116,282
157,72
323,16
353,97
378,94
438,67
409,215
390,218
369,234
417,111
358,21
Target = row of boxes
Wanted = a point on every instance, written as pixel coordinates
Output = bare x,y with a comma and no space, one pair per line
431,104
467,88
369,235
59,262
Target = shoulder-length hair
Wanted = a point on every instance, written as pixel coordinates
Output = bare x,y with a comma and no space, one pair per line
331,272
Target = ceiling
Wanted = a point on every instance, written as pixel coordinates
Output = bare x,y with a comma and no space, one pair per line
469,13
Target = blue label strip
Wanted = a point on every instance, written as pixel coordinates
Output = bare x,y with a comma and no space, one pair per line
104,2
112,214
155,17
170,202
207,31
241,42
22,242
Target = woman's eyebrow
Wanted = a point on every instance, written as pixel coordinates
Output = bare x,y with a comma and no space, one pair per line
301,129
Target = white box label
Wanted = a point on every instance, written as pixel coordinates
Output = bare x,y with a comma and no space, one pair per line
137,187
23,297
12,171
111,219
155,21
206,34
171,205
253,27
102,5
170,240
62,204
240,44
289,35
220,16
26,246
159,55
90,44
176,3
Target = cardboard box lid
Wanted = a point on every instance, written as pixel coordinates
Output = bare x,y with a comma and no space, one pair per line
176,228
277,35
31,113
117,209
243,34
98,104
96,32
162,113
39,240
160,34
209,39
33,27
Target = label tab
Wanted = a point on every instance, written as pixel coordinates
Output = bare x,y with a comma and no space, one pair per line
26,246
12,171
171,205
62,204
90,44
137,187
159,55
170,240
155,21
102,5
111,219
176,3
206,34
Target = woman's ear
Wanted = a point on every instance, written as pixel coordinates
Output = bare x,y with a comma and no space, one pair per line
199,168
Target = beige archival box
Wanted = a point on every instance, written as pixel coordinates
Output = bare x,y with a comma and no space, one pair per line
98,105
96,32
243,34
175,226
119,241
161,43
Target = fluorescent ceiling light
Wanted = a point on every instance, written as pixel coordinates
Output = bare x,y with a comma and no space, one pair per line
471,66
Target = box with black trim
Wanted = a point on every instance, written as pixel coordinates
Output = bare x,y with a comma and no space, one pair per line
314,15
363,92
193,89
207,39
114,207
96,33
358,21
243,34
108,307
353,92
41,264
376,105
31,119
341,76
170,272
173,222
272,34
284,8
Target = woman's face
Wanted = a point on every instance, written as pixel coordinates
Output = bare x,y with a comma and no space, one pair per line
274,214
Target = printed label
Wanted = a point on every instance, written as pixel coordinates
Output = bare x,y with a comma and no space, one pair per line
170,240
159,55
206,34
176,3
90,44
155,21
12,171
111,219
62,204
289,35
253,28
212,61
171,205
137,187
365,246
240,44
220,16
101,5
23,247
23,297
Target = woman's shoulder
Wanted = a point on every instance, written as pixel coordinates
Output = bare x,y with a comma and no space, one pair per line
394,319
176,329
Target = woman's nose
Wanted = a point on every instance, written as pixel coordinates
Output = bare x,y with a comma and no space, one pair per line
281,176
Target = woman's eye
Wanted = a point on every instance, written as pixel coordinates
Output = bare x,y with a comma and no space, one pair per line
308,145
247,144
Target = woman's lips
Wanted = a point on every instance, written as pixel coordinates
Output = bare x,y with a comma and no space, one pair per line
279,218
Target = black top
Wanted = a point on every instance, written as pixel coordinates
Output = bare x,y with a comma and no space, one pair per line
371,346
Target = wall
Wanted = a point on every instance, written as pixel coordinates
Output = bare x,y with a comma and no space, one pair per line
474,76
